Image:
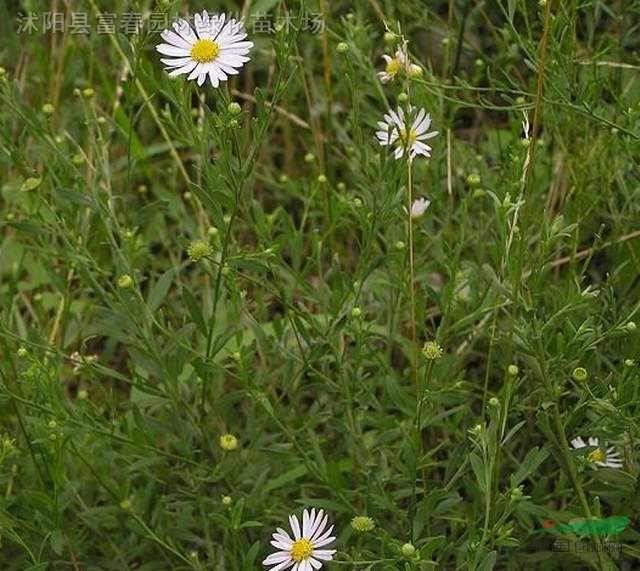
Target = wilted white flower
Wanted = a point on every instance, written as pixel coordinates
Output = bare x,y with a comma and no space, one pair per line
419,207
394,65
607,459
215,49
303,552
394,131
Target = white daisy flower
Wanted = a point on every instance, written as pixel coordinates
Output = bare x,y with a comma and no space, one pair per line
419,207
215,49
393,131
304,552
393,65
607,459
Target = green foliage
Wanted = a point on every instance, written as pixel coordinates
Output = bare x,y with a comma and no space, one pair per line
181,263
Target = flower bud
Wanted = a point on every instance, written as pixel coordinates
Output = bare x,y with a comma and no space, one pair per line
228,442
579,374
125,281
407,549
234,108
363,524
432,350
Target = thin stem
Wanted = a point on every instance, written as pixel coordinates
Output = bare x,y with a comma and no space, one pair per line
412,289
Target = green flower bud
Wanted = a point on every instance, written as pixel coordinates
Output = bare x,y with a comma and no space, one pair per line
415,71
390,38
407,549
234,108
198,250
125,281
473,179
228,442
432,351
579,374
363,524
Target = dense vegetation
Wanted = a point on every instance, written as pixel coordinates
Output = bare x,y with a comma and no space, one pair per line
217,310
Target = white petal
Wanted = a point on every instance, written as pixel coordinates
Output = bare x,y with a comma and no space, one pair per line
578,443
280,545
184,69
321,523
227,69
314,521
277,557
593,441
184,30
427,136
421,148
222,76
418,119
324,554
421,126
232,60
175,40
213,78
196,72
282,536
305,523
320,535
238,45
295,526
283,565
169,50
323,542
175,62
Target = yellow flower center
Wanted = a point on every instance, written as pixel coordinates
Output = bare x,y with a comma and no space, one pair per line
408,138
393,66
301,549
204,51
596,456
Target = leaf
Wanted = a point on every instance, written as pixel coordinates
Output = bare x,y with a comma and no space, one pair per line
532,460
146,213
488,561
250,557
511,432
160,289
263,6
55,539
290,476
194,311
478,470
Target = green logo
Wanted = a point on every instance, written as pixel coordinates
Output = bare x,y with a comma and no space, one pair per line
606,526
